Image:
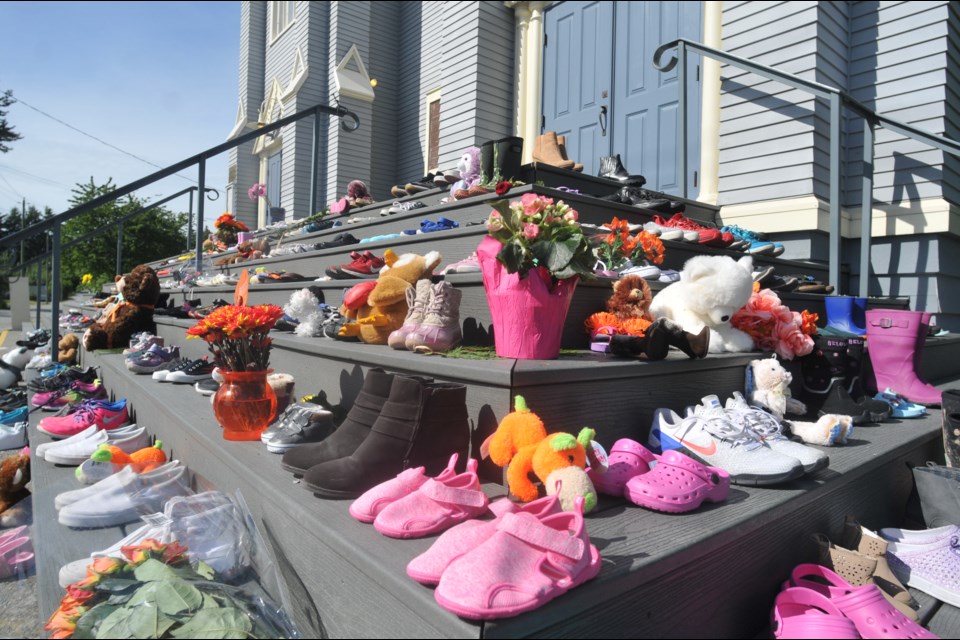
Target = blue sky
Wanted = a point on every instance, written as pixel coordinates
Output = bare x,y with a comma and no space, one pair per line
156,79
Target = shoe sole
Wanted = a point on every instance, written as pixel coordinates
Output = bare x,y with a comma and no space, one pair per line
96,522
331,494
356,274
281,448
296,471
205,392
185,378
750,479
57,435
70,461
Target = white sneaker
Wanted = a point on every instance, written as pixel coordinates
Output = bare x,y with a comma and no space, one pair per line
41,450
926,560
669,233
770,431
177,364
124,503
119,478
708,435
13,436
76,453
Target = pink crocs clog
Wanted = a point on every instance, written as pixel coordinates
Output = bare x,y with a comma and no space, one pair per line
526,563
803,613
435,506
677,484
865,606
367,507
466,536
627,459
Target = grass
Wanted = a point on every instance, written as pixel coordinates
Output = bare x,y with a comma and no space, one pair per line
490,353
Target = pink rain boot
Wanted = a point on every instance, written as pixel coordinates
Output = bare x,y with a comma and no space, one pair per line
892,339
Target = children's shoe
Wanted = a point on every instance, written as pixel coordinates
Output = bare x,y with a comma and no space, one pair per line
195,371
754,245
154,359
15,416
78,392
367,507
106,415
626,460
900,407
927,560
75,453
13,436
300,423
677,484
804,613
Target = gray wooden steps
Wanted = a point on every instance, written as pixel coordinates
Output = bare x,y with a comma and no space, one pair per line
710,573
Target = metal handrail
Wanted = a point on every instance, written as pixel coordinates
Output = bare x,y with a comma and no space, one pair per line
837,99
54,224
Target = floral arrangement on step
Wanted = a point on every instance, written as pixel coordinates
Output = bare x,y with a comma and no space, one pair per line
227,228
537,232
618,247
238,335
774,327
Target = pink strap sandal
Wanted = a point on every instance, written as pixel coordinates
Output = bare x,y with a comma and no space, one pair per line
526,563
466,536
370,504
802,613
865,606
627,459
436,506
678,484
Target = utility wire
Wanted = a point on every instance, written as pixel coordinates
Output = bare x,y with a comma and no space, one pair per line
47,181
93,137
2,177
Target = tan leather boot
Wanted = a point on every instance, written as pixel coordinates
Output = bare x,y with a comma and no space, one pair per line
860,539
562,143
858,569
547,151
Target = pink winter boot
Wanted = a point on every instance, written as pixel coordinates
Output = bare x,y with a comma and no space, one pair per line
892,341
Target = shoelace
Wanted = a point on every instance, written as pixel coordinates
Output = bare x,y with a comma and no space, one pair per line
722,429
759,422
684,223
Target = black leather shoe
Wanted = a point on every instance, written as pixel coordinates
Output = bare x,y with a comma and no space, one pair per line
612,167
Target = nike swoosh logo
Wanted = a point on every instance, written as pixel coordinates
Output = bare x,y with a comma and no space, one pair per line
706,451
109,421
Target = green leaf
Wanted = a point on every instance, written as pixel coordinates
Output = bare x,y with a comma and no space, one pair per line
205,571
119,599
88,622
115,625
153,570
209,602
555,256
117,585
170,597
216,623
147,621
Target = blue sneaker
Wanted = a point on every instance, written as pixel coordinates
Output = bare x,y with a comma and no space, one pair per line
15,416
755,245
52,370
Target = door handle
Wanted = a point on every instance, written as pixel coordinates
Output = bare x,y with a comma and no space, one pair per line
603,120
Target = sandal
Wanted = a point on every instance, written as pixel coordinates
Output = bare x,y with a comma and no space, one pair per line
802,613
677,484
627,459
526,563
900,407
367,507
438,504
865,606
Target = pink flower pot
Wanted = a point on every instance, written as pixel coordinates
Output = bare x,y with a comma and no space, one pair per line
528,313
243,236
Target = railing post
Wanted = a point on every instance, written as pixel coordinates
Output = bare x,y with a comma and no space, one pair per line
119,270
55,298
314,163
190,221
866,207
201,183
39,279
682,118
834,190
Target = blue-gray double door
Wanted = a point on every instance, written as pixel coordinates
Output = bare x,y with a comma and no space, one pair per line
601,91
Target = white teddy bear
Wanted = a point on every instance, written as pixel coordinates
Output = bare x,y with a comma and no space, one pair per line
711,289
12,364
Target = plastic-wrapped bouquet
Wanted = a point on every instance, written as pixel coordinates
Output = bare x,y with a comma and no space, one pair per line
774,327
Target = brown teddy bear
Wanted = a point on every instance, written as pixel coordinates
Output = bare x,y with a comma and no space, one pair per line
141,290
14,476
68,348
386,308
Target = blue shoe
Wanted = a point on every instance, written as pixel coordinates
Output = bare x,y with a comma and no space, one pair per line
52,370
15,416
900,407
755,245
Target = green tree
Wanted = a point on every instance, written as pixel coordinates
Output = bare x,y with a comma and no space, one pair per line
14,221
156,234
7,134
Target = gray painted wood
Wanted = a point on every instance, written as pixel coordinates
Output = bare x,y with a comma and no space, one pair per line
946,621
928,605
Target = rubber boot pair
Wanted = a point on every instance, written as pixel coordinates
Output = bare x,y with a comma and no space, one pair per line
895,340
500,159
846,316
831,381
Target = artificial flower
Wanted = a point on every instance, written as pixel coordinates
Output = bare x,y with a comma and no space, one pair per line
503,187
773,326
237,337
258,190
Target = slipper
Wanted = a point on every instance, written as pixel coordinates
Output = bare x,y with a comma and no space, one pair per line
367,507
677,484
340,206
627,459
442,224
526,563
428,567
865,606
12,534
435,506
900,407
802,613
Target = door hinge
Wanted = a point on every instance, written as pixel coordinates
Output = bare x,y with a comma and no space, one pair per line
695,176
698,73
545,41
543,122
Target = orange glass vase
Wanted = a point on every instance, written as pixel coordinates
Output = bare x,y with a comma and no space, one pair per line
244,404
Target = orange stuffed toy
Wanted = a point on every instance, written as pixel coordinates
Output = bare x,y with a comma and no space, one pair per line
145,459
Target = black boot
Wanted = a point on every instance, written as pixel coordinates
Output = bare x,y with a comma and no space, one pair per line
509,158
695,345
951,426
650,200
421,424
351,433
824,389
612,167
653,344
487,153
853,374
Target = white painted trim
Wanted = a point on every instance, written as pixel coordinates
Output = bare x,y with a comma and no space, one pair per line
429,97
241,121
261,204
267,107
298,75
355,84
274,38
710,105
529,82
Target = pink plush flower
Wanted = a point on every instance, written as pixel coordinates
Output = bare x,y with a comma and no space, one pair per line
258,190
530,231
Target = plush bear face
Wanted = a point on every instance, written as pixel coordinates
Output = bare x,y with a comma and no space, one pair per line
631,298
769,374
717,286
469,164
14,476
141,286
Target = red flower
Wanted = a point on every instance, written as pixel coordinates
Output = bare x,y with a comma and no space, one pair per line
503,187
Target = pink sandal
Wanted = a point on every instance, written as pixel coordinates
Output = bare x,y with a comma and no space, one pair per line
466,536
865,606
367,507
525,564
435,506
627,459
678,484
803,613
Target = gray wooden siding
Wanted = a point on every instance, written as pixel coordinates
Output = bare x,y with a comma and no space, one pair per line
252,42
315,90
383,66
279,59
420,71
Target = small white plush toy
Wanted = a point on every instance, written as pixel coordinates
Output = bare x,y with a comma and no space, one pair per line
12,364
711,289
305,307
768,387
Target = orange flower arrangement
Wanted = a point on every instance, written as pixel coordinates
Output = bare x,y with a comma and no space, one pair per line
618,246
237,335
227,222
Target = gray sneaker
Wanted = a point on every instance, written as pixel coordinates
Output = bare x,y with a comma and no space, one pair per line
302,422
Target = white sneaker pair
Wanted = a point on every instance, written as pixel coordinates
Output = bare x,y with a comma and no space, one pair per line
78,448
13,436
208,524
122,497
